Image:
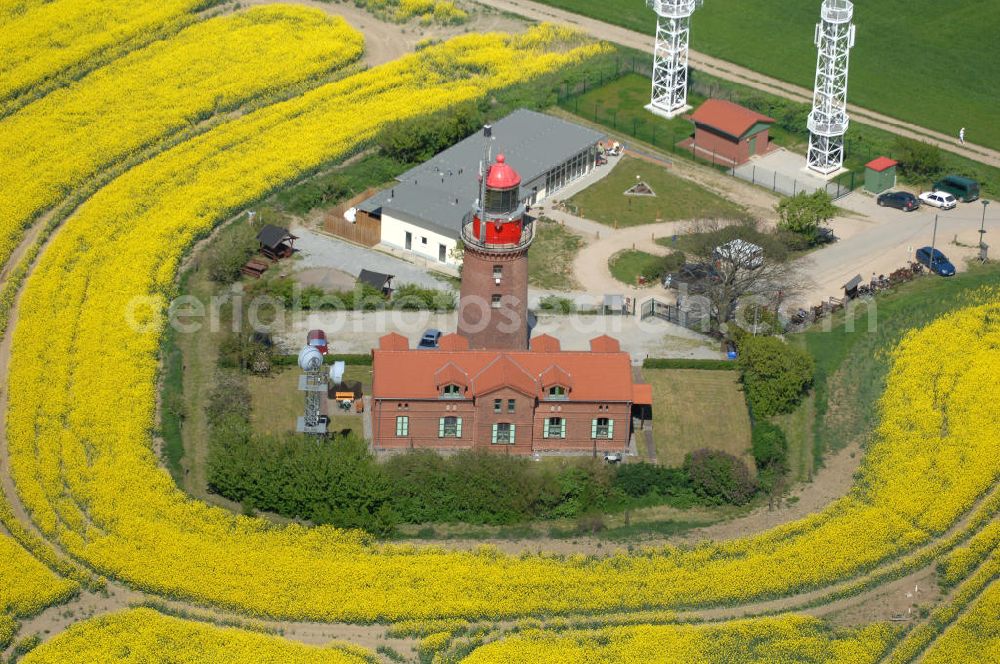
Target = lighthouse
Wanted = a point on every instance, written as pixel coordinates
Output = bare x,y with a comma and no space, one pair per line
493,309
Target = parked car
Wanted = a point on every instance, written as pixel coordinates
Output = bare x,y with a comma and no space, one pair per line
430,339
901,200
940,263
939,199
964,189
695,276
317,339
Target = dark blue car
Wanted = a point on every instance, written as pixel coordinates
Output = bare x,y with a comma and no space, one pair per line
939,265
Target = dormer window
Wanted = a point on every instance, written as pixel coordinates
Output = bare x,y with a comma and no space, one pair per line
557,392
451,391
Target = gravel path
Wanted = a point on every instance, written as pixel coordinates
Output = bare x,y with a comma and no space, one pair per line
317,251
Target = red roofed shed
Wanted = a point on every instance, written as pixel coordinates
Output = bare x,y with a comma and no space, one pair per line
729,133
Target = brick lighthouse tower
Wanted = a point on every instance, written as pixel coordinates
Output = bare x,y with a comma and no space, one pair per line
493,310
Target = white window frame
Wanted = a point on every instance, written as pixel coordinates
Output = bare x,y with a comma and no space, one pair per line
402,425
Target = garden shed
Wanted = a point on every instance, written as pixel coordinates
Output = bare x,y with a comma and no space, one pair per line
276,242
880,174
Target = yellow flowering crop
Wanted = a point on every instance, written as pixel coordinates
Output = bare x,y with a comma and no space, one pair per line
27,586
143,635
788,638
56,144
80,415
974,637
43,43
7,628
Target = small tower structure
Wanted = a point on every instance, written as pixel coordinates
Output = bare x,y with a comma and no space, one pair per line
493,309
313,383
828,120
670,55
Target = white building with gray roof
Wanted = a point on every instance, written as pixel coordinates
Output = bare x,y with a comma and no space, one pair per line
423,211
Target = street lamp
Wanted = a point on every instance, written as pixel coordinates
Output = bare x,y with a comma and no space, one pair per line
982,227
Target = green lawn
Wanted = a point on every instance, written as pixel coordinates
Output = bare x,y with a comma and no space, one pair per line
695,409
553,251
620,104
276,401
626,266
915,59
676,199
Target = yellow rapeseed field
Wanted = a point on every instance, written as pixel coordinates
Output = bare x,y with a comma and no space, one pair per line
79,427
42,43
143,635
975,636
54,145
81,411
788,638
26,585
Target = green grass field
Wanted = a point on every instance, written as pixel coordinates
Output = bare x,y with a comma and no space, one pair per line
276,401
626,266
695,409
676,199
927,63
554,249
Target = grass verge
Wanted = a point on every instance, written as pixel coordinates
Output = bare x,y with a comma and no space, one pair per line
555,248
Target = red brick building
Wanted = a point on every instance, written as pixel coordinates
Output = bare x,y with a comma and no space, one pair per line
521,402
728,133
483,388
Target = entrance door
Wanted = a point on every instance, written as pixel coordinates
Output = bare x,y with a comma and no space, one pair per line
409,240
753,145
442,253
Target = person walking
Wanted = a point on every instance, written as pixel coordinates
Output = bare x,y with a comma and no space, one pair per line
961,135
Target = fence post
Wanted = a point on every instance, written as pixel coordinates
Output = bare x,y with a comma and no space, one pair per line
774,184
795,184
753,175
654,134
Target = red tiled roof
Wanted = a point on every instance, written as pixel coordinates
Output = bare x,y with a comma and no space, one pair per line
450,374
555,375
605,344
410,374
545,343
728,117
642,394
502,372
453,341
880,164
393,341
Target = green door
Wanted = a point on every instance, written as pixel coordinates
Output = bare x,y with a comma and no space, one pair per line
753,145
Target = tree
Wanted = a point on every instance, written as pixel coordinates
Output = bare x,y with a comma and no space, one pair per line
804,214
775,375
719,476
770,447
741,272
918,159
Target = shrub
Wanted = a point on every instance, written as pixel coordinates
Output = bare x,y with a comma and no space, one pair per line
804,214
557,304
638,480
227,255
918,159
775,375
719,476
413,297
687,363
770,447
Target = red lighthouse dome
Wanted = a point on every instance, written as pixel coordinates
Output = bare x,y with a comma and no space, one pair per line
502,176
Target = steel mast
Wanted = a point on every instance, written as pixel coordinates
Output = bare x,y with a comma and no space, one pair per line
670,55
828,120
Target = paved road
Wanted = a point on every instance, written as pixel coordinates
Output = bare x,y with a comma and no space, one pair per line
735,73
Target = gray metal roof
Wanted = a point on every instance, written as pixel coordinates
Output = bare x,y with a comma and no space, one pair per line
437,194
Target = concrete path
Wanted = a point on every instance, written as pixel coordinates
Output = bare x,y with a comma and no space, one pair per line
742,75
318,250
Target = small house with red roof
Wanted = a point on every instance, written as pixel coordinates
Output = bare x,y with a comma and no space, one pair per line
880,174
728,133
